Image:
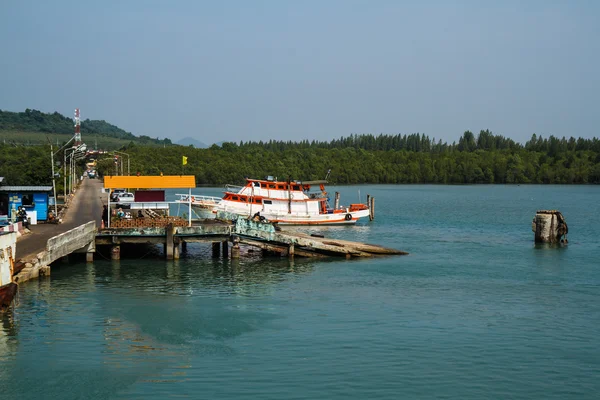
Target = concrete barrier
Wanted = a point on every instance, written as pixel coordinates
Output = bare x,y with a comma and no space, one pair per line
79,239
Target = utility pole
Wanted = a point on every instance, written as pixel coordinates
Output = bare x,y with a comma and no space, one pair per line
53,181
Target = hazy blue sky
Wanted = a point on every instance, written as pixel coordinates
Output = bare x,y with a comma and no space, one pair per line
260,70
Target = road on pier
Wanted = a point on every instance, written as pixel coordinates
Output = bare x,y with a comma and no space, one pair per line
86,206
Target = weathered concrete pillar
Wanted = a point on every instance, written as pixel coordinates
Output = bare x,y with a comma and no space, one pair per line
549,227
336,203
291,251
176,251
169,242
45,270
225,249
89,251
216,249
115,252
235,249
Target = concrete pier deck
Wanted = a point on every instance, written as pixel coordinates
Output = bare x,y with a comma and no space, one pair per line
84,206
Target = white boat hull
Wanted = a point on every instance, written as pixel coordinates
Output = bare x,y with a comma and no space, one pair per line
286,203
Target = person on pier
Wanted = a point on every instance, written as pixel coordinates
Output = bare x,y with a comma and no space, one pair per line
105,215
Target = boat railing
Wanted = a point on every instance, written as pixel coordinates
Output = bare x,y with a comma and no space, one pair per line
233,188
196,198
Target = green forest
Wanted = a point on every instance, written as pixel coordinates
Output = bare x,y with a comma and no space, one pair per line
392,159
484,158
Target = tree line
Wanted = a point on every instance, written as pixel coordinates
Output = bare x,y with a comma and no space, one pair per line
394,159
357,159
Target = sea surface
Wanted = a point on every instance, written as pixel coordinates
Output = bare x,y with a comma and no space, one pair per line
476,311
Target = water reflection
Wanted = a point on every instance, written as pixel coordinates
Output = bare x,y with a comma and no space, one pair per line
194,275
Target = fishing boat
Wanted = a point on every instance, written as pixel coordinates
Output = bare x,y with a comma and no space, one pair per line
282,202
8,287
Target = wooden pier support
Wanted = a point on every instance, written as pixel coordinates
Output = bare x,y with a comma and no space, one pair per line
371,204
291,251
115,252
549,227
336,204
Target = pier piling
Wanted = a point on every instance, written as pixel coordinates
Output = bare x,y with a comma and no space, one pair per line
235,249
549,227
169,246
115,252
176,251
371,205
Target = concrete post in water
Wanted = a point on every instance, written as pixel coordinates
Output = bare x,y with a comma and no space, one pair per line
371,209
235,249
169,242
176,251
115,252
89,252
291,251
549,227
216,249
336,204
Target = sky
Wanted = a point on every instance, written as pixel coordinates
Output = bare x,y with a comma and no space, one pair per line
312,69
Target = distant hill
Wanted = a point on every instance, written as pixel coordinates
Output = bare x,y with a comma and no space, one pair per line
187,141
36,127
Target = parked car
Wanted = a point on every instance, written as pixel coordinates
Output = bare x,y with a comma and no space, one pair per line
125,198
115,194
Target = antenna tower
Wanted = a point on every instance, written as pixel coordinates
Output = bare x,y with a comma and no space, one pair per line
77,128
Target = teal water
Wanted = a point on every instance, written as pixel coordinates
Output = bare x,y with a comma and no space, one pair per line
475,311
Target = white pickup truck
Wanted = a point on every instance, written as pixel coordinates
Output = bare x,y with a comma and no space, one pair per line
123,199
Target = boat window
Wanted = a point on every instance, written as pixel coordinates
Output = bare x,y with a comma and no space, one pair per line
256,184
267,202
234,198
257,201
281,187
295,187
272,186
263,185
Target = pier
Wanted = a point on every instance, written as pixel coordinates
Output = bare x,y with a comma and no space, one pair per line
238,231
82,231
